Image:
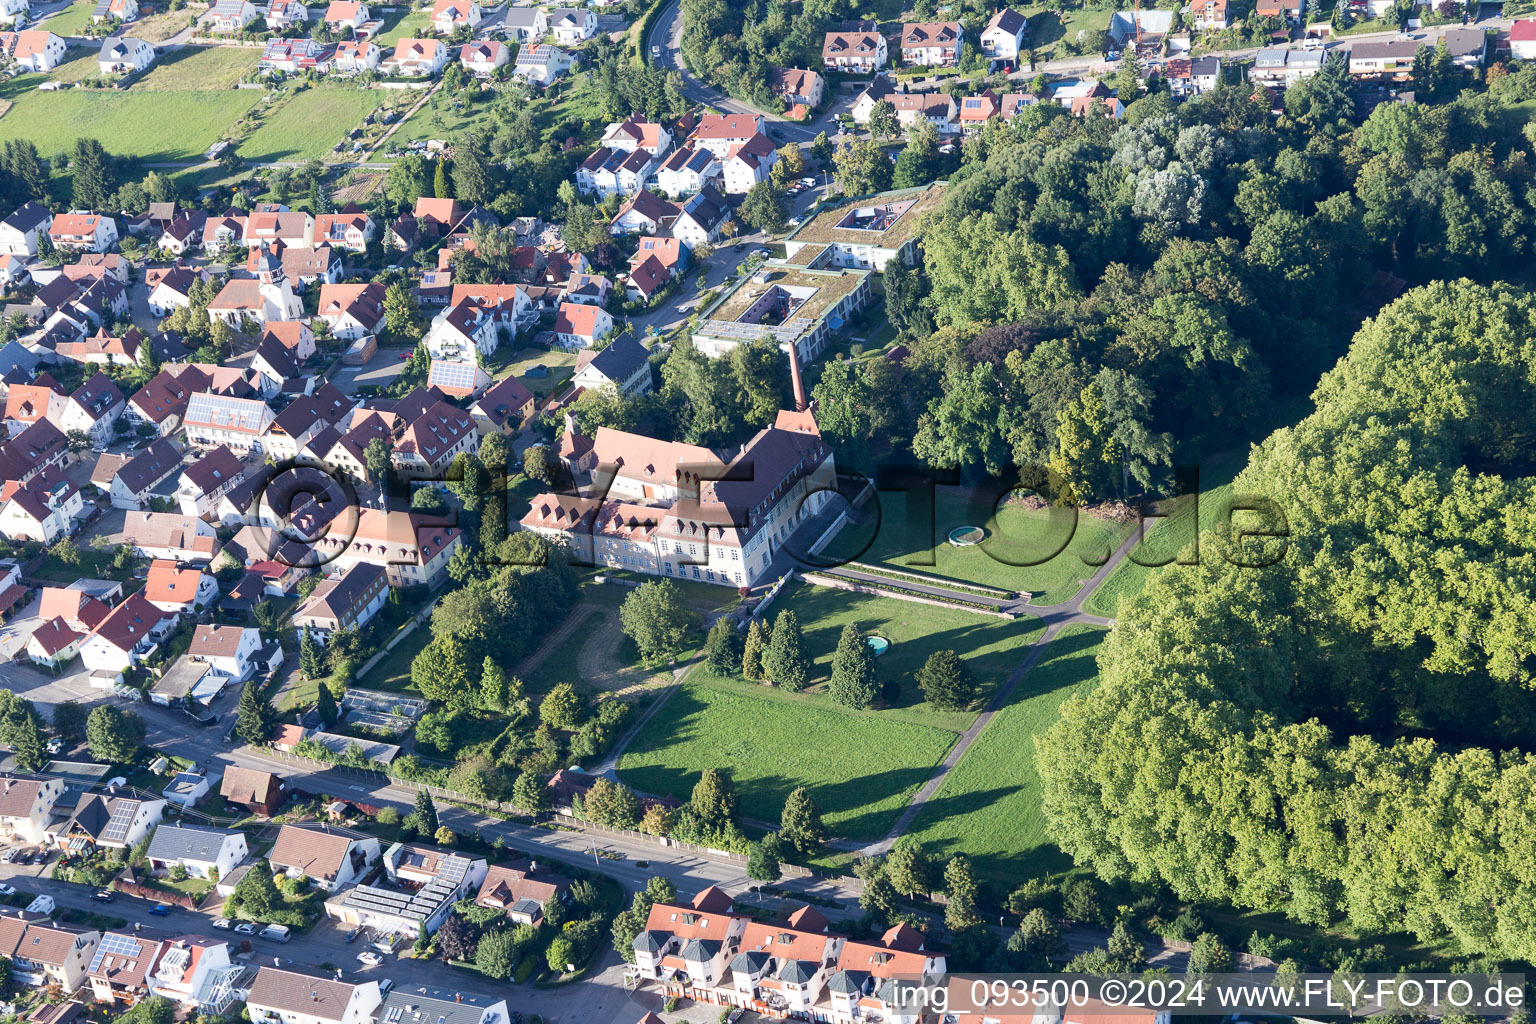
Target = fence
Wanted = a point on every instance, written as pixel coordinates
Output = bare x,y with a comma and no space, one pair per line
860,587
773,592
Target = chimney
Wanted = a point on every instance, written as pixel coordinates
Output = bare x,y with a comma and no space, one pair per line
794,377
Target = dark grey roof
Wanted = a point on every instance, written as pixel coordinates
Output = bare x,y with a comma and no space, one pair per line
619,361
1009,20
418,1004
188,842
28,216
847,983
150,466
651,941
750,962
213,470
1205,66
798,971
700,950
1464,42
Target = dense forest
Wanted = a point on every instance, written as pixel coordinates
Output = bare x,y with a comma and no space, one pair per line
1268,738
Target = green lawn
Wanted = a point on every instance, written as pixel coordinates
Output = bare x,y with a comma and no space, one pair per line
72,20
393,671
154,126
407,27
992,647
81,65
443,117
1052,27
988,806
861,768
561,366
1167,537
199,68
1067,547
306,126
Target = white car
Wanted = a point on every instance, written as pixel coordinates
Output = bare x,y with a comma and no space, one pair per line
7,890
222,922
245,928
369,958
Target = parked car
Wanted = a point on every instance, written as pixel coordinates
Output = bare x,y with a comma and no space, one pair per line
7,890
160,910
245,928
222,922
55,745
386,985
277,932
8,856
369,958
103,895
353,934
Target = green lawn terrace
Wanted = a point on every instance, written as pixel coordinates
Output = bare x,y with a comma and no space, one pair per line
1047,552
862,766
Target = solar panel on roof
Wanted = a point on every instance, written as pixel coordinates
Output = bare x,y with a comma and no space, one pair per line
122,817
113,944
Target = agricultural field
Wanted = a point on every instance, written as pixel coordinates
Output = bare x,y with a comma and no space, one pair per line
306,125
988,806
861,768
199,69
132,123
1067,548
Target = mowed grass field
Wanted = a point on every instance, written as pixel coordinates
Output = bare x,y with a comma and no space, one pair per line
1048,552
1167,537
72,19
861,768
155,126
992,647
988,806
305,126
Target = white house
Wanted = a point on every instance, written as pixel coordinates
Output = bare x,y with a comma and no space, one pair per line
749,164
1522,42
352,310
43,510
19,231
580,325
525,24
460,333
130,483
213,420
83,232
121,55
686,170
346,14
172,289
700,219
203,483
347,601
356,55
1004,35
289,997
14,11
33,49
483,56
540,64
448,15
26,801
328,855
419,57
229,16
203,851
623,365
230,650
572,25
179,589
122,638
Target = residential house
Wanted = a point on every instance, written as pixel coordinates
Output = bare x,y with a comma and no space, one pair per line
540,64
172,588
349,600
119,971
19,231
350,229
1288,12
936,107
186,789
448,15
1467,47
1210,15
450,1006
352,310
1394,57
433,440
525,24
44,509
521,889
797,87
54,644
644,212
125,635
115,820
184,233
197,974
328,855
688,947
749,164
92,409
460,332
623,365
33,49
457,379
213,420
163,401
14,12
934,44
171,289
503,407
258,300
103,349
1522,46
37,448
721,134
123,55
205,481
701,217
412,548
283,15
257,791
593,289
342,15
43,952
26,803
613,171
168,535
686,170
204,851
977,110
1003,38
293,56
291,227
294,336
419,57
632,134
483,56
356,56
131,485
580,325
226,17
572,25
83,232
290,997
232,651
857,50
645,280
